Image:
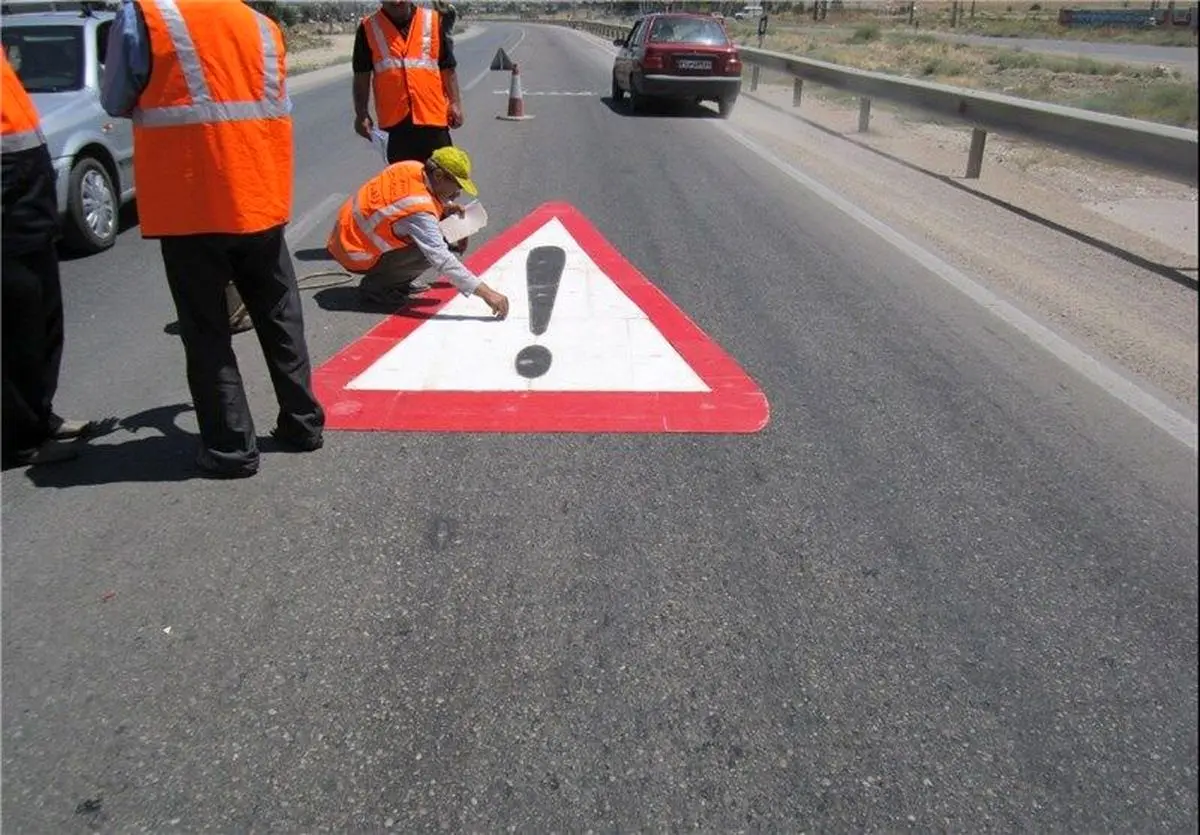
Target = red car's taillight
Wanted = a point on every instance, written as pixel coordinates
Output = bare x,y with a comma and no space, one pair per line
653,61
733,65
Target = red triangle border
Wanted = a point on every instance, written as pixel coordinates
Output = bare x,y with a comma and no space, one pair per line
735,404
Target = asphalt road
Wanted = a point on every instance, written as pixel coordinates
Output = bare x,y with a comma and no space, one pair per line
951,585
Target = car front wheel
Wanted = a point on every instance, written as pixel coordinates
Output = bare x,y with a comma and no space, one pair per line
91,207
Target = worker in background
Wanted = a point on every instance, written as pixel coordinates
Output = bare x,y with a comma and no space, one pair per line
32,295
404,56
388,232
205,84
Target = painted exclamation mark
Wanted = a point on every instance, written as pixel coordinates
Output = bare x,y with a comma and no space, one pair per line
543,271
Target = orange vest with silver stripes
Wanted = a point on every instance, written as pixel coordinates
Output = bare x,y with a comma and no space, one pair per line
405,76
22,127
212,131
363,231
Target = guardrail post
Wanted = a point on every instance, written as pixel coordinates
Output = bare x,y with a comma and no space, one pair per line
754,78
864,114
975,156
797,89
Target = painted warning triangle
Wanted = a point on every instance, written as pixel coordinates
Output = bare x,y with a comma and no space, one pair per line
501,61
589,345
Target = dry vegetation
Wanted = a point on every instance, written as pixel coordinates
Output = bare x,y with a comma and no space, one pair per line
302,37
1025,19
1155,93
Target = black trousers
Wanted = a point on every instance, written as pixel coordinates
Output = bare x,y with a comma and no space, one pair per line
31,299
32,346
198,269
407,141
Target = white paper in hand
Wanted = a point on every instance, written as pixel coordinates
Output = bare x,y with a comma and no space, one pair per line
380,140
455,228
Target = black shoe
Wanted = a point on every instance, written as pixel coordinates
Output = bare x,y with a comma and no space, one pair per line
211,469
303,443
51,452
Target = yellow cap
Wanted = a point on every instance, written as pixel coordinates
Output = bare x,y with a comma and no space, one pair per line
455,162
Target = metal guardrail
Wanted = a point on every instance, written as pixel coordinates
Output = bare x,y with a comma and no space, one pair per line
1166,151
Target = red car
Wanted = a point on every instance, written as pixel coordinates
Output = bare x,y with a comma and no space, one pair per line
677,56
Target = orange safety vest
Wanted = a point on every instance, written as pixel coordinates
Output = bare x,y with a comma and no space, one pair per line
212,131
22,127
363,231
405,76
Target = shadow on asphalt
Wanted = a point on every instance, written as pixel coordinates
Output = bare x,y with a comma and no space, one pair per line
172,329
347,300
312,254
127,219
163,453
662,108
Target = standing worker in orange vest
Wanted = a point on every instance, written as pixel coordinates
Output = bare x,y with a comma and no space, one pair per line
205,84
404,54
32,293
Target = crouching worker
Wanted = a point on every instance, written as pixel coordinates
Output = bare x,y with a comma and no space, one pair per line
389,234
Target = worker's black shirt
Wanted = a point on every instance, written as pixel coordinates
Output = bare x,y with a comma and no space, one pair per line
362,62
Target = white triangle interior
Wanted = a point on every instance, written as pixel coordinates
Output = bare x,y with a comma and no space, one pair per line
598,338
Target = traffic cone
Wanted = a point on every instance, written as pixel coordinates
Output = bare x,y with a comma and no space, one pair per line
516,104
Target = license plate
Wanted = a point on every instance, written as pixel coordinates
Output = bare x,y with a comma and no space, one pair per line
692,64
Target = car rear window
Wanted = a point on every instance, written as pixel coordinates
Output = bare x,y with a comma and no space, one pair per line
688,30
47,59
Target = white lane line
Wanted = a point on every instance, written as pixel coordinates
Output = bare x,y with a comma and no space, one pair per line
513,48
1179,426
470,84
296,231
548,93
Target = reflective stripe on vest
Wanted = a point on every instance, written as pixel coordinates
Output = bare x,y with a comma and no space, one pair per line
366,225
203,109
390,62
23,140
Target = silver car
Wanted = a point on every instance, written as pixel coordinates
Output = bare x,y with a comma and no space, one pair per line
59,58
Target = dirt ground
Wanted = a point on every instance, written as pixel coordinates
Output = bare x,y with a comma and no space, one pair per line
337,49
1000,18
1108,253
1153,208
1157,93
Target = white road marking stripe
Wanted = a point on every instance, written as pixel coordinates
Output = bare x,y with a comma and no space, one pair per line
488,70
1177,425
549,93
296,231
